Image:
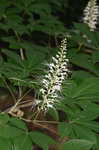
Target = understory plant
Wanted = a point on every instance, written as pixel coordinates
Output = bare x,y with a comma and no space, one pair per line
53,93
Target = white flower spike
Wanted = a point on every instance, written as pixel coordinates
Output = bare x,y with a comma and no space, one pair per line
91,14
52,82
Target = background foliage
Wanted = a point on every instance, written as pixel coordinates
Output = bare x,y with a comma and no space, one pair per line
30,33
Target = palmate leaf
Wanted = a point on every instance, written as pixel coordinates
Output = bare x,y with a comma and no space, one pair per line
92,125
53,113
5,144
18,123
64,108
77,144
82,132
13,134
34,57
86,115
23,82
90,110
8,131
22,69
4,118
84,61
11,127
68,87
65,129
79,104
87,90
12,55
22,142
79,113
41,140
79,75
49,26
34,60
18,71
72,130
79,128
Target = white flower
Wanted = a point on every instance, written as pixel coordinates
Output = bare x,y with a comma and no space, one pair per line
51,83
91,14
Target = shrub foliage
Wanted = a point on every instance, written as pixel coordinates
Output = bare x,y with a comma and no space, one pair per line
30,33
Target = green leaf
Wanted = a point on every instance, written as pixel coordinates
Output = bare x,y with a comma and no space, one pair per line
62,107
8,131
81,115
86,31
90,110
41,140
5,144
95,56
53,113
77,144
89,86
82,132
82,27
12,55
97,146
80,75
92,125
68,87
18,123
86,91
4,118
88,115
65,129
84,61
22,142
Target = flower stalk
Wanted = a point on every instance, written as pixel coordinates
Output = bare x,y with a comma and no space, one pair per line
52,82
91,14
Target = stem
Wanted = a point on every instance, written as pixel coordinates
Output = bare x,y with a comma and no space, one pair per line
22,54
10,90
17,103
21,50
